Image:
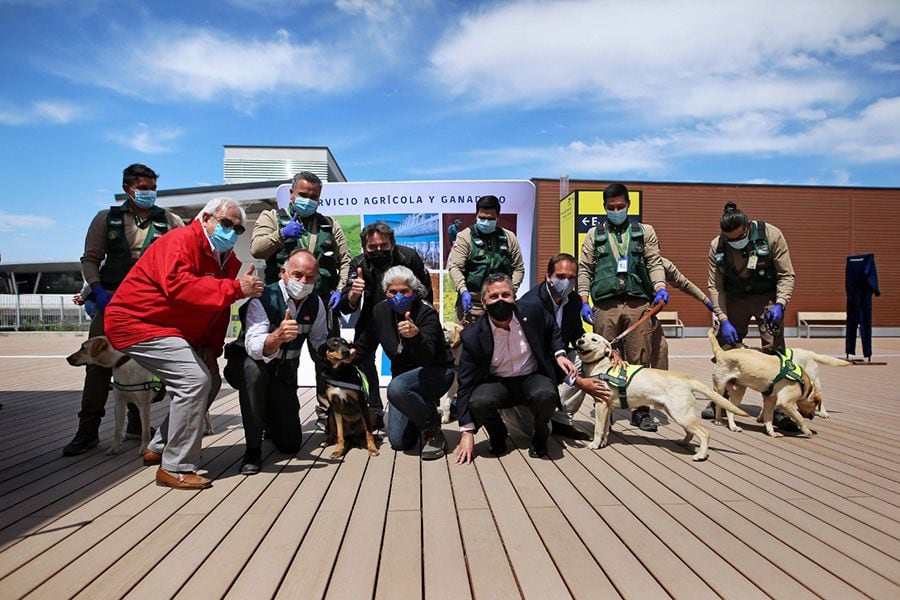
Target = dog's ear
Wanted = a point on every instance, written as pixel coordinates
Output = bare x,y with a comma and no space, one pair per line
98,345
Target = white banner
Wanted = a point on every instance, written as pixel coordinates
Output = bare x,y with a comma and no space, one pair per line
422,214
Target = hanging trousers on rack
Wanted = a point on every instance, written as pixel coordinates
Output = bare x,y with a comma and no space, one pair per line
861,284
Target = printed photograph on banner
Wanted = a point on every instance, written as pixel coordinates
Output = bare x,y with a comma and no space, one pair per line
448,300
351,226
453,223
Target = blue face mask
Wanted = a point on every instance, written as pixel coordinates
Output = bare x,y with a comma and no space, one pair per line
401,303
145,198
304,206
223,239
617,217
486,226
739,244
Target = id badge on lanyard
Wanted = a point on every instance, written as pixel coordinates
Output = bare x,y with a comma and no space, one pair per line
622,264
751,262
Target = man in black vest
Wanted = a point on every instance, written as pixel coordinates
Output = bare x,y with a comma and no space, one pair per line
481,250
363,291
115,240
275,327
557,296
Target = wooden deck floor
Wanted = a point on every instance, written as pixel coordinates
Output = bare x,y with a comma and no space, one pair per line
789,518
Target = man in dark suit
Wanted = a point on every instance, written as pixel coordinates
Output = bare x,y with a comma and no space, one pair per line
556,295
511,356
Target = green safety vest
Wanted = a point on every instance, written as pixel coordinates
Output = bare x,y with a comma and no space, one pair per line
763,279
788,370
489,254
607,282
325,251
619,378
118,250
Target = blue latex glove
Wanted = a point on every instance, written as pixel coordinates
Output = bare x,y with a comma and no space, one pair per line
709,305
334,300
466,299
587,313
775,314
101,296
661,296
729,333
293,230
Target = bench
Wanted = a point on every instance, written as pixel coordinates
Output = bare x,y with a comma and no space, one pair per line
819,319
669,318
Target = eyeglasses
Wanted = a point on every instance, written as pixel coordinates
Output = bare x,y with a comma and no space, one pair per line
227,223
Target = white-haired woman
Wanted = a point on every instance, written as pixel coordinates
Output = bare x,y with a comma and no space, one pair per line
409,331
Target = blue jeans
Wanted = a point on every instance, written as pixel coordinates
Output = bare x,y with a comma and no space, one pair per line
413,398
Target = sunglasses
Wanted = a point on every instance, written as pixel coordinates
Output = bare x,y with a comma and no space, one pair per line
227,223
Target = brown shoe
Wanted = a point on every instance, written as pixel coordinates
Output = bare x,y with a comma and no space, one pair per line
181,481
152,458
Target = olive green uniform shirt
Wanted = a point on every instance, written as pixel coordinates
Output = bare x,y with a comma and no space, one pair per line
652,259
456,265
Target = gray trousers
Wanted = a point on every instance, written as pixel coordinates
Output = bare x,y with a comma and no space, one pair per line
179,439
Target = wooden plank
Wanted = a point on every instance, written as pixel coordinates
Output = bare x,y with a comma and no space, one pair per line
443,555
400,565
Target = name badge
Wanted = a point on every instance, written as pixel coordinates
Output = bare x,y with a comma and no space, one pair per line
622,264
751,262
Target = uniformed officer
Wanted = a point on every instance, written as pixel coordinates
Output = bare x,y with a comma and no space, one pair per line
660,352
621,272
481,250
750,275
115,240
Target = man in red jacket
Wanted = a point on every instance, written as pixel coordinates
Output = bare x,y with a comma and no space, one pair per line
170,315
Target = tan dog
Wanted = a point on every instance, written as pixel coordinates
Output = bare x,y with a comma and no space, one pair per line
809,361
670,392
126,372
452,335
739,369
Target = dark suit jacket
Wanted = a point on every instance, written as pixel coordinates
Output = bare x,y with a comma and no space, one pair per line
572,327
478,349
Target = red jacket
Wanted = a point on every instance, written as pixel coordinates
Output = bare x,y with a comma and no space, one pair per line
176,289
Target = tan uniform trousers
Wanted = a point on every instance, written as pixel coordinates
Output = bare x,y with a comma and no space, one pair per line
740,310
659,348
614,315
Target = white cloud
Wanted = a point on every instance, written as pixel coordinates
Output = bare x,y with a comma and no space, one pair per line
681,57
11,222
40,112
143,139
206,64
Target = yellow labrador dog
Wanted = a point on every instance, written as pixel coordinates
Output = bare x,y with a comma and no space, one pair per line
452,333
670,392
738,369
129,375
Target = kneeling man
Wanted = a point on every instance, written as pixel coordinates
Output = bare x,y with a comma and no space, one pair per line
274,329
509,358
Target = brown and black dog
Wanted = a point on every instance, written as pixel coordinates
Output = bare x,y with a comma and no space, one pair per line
349,415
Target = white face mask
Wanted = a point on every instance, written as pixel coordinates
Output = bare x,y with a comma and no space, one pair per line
297,289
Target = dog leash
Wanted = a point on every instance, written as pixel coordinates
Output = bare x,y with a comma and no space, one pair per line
653,310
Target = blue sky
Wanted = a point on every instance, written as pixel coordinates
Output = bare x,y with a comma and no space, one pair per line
800,92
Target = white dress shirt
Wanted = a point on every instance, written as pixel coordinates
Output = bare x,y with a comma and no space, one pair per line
512,355
257,325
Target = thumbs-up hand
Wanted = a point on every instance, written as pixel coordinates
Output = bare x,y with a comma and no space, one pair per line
294,229
357,287
251,285
287,330
406,328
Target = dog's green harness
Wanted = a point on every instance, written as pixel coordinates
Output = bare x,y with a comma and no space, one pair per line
362,387
788,370
620,378
154,384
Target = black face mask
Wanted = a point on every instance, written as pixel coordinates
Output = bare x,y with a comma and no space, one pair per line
379,258
500,310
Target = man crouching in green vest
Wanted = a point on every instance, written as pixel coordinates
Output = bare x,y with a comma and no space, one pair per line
621,271
263,361
277,233
116,238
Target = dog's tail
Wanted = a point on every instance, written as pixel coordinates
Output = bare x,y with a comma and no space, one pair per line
721,401
824,359
714,343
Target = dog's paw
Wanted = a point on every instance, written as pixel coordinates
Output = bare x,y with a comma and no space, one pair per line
374,452
822,415
445,417
699,457
735,429
775,434
338,453
595,444
209,431
114,450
